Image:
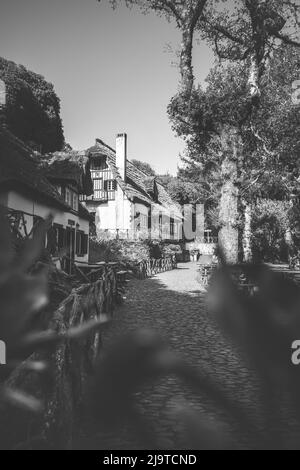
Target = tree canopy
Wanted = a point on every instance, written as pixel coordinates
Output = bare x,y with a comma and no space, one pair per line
32,107
271,147
144,166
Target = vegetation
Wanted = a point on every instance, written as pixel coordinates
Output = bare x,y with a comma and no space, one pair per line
32,108
242,157
129,252
145,167
44,393
268,165
247,34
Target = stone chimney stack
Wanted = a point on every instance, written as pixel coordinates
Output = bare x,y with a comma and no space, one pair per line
121,155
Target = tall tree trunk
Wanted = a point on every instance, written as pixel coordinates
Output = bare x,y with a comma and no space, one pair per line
247,233
190,14
288,238
229,213
186,66
253,79
288,235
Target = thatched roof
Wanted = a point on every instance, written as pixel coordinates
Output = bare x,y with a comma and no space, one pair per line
70,165
19,171
138,185
18,167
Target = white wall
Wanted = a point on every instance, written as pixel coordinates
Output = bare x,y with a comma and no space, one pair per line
113,215
120,215
124,210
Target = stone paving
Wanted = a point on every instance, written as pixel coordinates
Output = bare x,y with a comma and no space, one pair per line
173,304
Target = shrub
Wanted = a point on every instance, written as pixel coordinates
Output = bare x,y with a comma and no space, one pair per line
129,251
270,223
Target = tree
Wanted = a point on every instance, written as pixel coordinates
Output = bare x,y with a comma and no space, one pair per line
247,31
270,223
247,34
144,167
32,110
186,14
268,163
184,192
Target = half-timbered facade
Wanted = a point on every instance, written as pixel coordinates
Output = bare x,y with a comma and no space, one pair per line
126,202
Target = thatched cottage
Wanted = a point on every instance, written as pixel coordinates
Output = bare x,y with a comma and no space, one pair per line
126,202
33,187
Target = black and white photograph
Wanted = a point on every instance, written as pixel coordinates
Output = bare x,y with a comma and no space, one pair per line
149,228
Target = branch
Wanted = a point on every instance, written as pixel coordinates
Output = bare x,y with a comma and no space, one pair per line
172,7
225,32
252,182
198,12
268,152
286,39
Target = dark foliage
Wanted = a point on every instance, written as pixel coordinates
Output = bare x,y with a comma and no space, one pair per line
32,107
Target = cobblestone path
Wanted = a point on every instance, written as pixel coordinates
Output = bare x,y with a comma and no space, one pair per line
173,304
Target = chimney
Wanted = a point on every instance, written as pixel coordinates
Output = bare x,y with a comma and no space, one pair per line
121,155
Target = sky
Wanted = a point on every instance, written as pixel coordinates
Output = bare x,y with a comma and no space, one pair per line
113,70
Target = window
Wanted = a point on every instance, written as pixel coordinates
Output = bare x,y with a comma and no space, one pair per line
75,202
36,223
110,185
99,189
172,231
81,243
60,236
160,224
98,184
103,179
98,164
71,198
68,197
52,240
104,189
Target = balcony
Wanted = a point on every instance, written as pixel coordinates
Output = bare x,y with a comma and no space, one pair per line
99,196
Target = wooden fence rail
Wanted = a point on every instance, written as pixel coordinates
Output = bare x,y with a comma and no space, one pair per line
141,269
70,361
153,266
72,358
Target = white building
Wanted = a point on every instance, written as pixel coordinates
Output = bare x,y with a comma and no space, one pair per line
30,192
126,202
